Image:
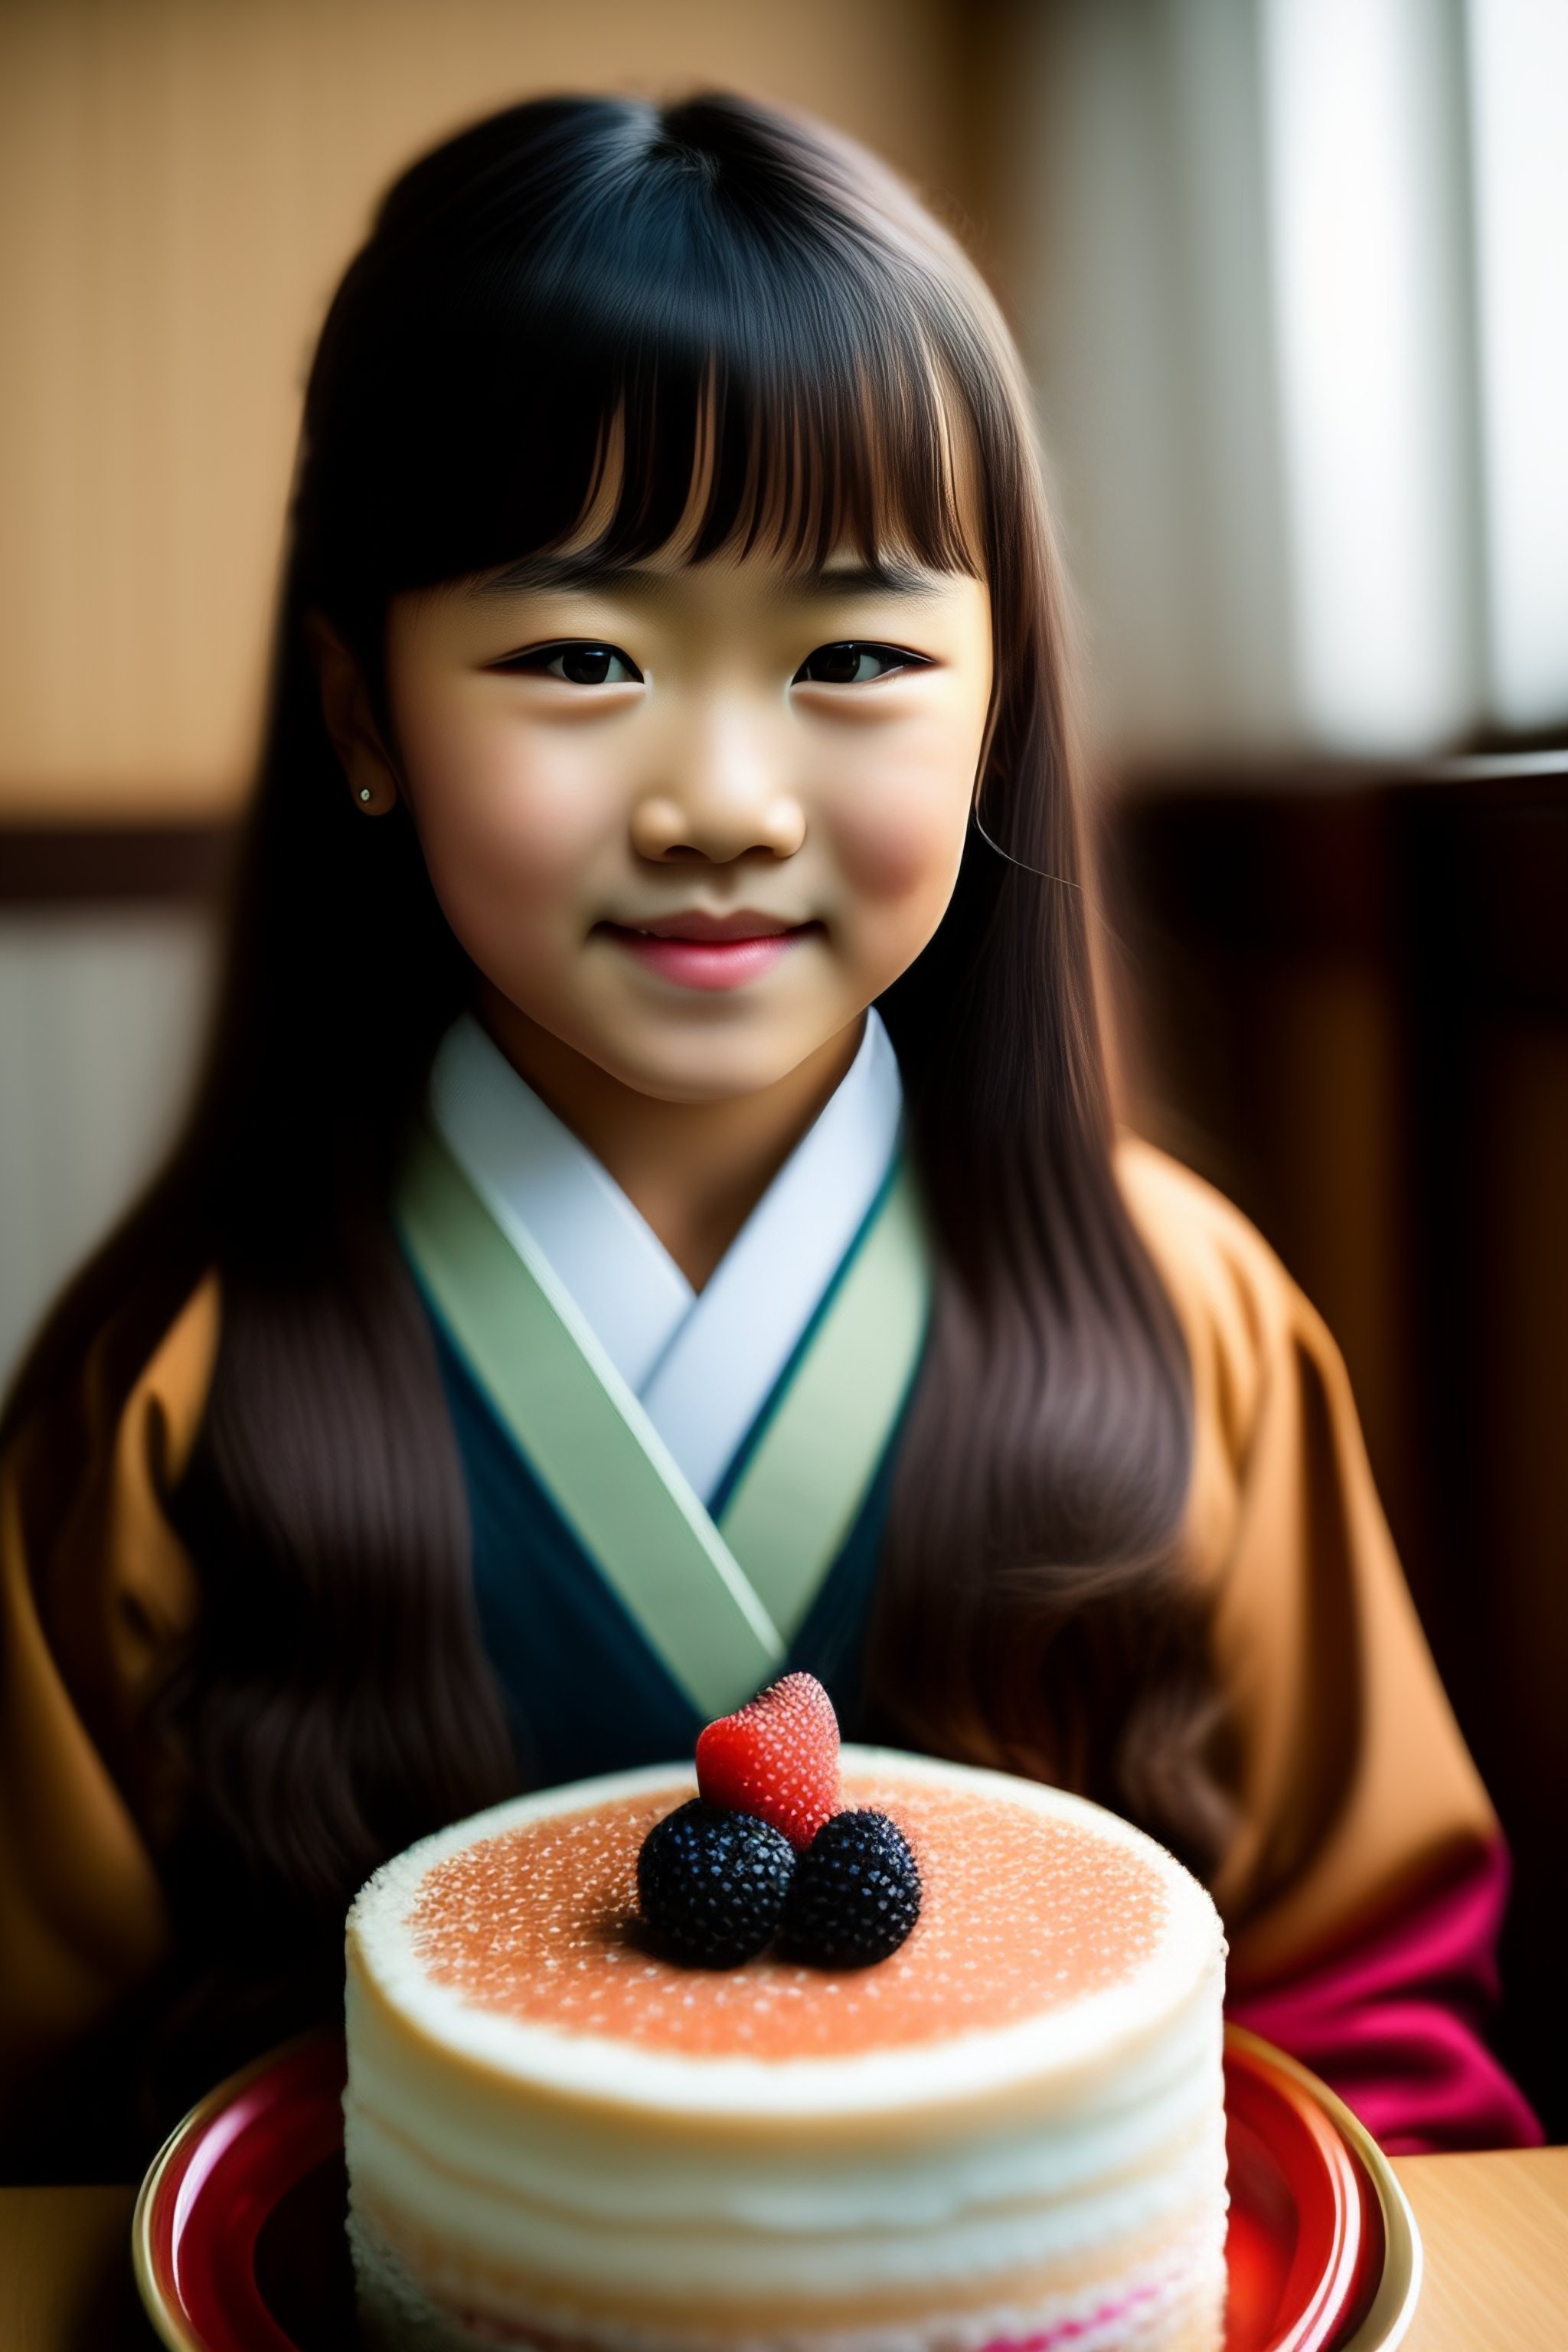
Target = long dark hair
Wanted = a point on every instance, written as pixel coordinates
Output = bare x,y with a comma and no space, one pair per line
601,305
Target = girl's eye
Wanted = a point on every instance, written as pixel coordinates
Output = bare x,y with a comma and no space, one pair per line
579,662
854,664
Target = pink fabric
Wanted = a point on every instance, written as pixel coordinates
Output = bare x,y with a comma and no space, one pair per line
1395,2024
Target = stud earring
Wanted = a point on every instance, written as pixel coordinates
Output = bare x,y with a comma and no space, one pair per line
365,791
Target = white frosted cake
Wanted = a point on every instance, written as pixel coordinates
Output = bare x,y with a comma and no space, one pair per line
1009,2133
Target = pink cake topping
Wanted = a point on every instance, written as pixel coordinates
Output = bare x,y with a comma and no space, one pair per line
1021,1914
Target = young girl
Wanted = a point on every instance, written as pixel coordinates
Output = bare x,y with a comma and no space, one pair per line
652,1216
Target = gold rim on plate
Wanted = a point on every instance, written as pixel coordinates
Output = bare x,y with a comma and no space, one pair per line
1394,2305
169,2321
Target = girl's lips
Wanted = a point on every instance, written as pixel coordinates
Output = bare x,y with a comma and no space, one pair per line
708,963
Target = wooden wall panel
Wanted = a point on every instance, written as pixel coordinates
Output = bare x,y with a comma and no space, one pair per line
1352,1001
180,185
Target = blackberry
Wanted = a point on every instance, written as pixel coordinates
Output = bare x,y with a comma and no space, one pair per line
712,1884
856,1894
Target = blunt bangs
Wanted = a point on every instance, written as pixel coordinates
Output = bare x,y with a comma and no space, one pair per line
601,321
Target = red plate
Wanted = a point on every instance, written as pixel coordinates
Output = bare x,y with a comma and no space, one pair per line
239,2245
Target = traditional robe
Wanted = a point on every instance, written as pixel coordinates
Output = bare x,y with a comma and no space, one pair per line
1364,1892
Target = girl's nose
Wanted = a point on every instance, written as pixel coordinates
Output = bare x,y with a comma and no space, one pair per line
719,797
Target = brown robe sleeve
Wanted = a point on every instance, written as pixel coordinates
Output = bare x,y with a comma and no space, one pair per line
96,1593
1356,1786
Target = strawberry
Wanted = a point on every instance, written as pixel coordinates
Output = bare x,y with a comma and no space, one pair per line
777,1758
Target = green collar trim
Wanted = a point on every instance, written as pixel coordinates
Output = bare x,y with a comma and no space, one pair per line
718,1603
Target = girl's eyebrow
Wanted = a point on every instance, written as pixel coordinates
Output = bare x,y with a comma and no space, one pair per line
546,573
888,576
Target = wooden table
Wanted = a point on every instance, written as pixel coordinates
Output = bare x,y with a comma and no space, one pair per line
1495,2230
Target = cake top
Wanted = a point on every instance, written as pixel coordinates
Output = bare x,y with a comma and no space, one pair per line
1024,1912
1043,1917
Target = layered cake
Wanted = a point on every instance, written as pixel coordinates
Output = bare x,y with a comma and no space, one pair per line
562,2131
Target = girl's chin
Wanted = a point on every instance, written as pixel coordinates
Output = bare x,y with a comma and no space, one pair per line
726,1058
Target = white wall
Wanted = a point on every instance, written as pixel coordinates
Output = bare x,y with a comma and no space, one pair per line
1140,271
101,1018
1290,277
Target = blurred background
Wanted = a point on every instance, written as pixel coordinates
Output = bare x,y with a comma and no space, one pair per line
1292,278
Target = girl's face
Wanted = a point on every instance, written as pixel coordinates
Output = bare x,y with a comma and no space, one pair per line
690,819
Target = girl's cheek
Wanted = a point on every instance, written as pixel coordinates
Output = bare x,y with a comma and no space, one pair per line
899,837
508,823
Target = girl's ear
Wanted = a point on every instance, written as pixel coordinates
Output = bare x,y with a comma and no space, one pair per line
350,720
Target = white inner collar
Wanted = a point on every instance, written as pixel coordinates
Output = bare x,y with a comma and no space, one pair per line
702,1363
